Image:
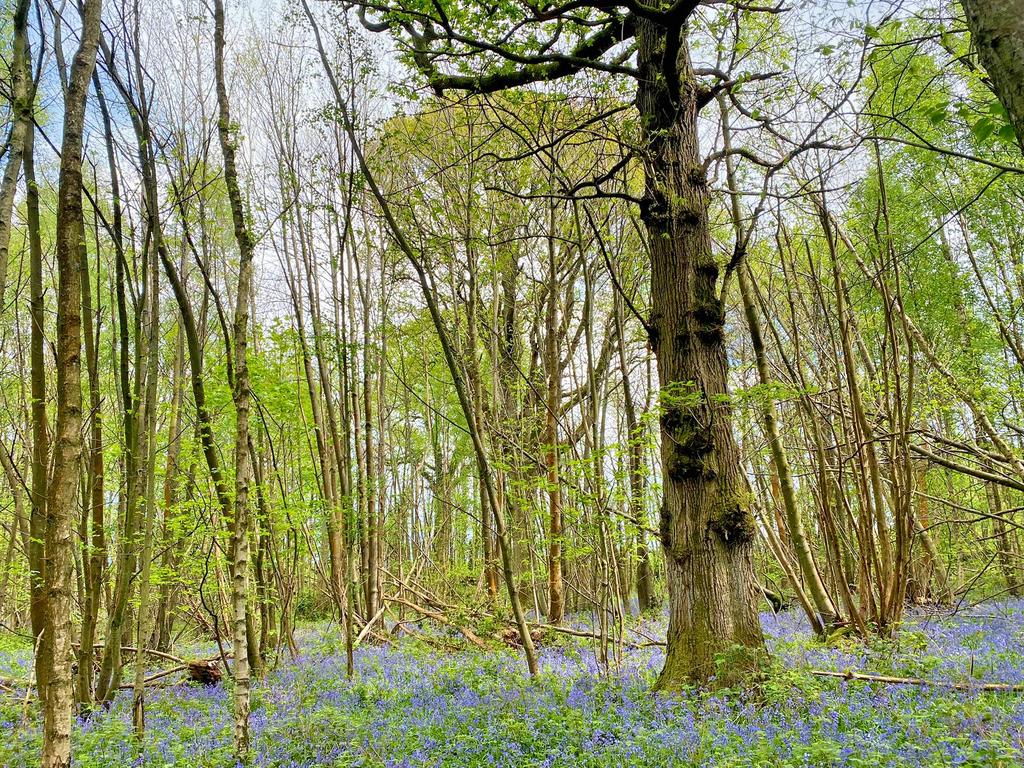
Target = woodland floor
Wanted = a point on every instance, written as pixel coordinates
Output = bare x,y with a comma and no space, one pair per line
413,705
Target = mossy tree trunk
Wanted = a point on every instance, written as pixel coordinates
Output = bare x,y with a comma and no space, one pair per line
997,29
707,528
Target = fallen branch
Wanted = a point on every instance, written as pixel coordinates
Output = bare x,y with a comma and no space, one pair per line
156,676
849,674
204,671
147,651
440,618
420,592
590,635
369,625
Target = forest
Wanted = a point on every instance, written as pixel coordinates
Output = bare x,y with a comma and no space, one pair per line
523,383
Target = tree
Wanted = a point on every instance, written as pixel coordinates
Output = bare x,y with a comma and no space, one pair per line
997,28
461,386
241,395
707,529
55,651
22,97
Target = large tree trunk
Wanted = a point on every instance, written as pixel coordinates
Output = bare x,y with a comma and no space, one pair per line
707,528
55,649
997,28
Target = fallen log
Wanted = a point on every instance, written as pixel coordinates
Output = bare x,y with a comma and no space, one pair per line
154,677
204,671
510,636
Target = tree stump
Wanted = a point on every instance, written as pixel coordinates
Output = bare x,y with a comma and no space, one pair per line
510,636
205,672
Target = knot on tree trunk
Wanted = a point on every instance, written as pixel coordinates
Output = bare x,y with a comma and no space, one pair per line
733,522
710,320
696,175
691,445
688,213
654,210
665,527
654,331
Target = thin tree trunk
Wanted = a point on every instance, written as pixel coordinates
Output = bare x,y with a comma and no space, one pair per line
241,395
809,573
635,437
94,553
22,97
152,323
553,404
167,597
55,650
461,390
37,365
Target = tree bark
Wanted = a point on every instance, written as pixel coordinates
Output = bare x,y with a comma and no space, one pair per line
94,546
58,699
241,396
707,528
148,449
23,96
37,366
552,407
997,29
167,599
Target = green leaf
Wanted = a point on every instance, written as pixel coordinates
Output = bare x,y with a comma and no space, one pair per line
1007,133
983,128
938,114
